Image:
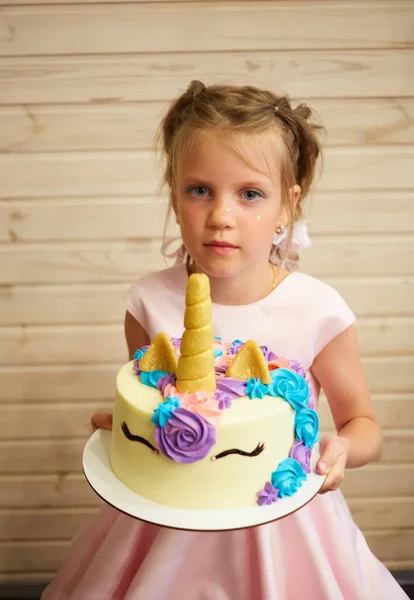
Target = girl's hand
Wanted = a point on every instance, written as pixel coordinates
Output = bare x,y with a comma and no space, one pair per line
101,421
334,451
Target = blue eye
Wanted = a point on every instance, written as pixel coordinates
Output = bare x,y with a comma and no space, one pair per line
252,195
198,190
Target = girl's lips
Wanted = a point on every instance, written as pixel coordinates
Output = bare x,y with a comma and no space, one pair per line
221,248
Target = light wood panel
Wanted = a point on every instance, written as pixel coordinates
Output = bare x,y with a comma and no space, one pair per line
32,556
83,262
391,545
50,128
41,555
45,30
71,490
143,218
126,261
41,456
46,524
137,173
89,344
70,420
65,455
112,79
78,383
347,121
119,2
394,411
53,220
378,513
61,523
359,256
78,304
60,490
63,420
378,480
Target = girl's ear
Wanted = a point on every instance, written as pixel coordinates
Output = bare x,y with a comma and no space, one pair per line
295,192
174,206
287,212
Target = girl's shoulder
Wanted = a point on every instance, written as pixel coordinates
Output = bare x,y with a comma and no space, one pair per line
171,280
157,298
320,305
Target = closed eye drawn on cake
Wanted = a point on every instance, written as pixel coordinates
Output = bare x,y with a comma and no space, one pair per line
137,438
258,450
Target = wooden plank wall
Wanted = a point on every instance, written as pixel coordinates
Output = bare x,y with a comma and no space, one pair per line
82,88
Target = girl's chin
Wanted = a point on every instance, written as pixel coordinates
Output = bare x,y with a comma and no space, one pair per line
219,269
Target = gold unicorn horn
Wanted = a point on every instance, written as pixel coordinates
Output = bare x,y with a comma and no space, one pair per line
195,370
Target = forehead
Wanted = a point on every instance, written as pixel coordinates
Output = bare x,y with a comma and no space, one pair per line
217,154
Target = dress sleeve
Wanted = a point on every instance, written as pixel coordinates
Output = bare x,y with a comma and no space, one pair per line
134,304
334,317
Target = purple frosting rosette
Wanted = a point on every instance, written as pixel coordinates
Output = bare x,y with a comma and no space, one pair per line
186,437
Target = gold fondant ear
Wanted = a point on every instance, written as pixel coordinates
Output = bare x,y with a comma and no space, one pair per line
249,362
161,355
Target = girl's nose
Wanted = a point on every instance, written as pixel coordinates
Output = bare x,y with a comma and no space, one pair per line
220,215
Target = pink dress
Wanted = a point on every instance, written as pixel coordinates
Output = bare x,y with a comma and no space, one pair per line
317,553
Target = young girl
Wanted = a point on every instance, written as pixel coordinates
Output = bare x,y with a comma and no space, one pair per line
240,162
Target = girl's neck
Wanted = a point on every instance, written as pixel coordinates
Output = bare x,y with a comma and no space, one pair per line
245,288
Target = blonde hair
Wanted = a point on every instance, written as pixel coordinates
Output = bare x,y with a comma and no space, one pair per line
236,111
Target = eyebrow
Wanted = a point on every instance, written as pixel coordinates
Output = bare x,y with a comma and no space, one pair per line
196,180
258,450
137,438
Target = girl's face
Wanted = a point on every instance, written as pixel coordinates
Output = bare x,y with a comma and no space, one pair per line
227,210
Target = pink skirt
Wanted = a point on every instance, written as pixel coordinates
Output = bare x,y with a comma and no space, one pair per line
317,553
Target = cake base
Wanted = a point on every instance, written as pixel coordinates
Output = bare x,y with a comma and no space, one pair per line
102,479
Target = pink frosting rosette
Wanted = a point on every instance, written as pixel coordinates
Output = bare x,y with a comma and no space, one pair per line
204,404
221,346
186,437
224,361
279,363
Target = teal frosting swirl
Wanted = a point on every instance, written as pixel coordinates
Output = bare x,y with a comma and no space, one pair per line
255,388
288,477
165,411
151,378
291,386
307,426
138,354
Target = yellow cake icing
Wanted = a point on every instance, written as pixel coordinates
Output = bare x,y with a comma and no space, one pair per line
227,482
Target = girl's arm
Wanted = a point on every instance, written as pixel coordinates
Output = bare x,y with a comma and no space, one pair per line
136,337
358,441
135,334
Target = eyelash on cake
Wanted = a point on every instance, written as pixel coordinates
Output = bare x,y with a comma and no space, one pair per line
137,438
258,450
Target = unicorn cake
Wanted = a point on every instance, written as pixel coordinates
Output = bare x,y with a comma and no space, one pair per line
204,424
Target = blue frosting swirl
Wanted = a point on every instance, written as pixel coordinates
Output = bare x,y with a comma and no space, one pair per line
138,354
165,411
307,426
291,386
151,378
255,388
288,477
217,353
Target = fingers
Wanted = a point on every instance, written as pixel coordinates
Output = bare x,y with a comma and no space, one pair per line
101,421
329,453
332,462
335,475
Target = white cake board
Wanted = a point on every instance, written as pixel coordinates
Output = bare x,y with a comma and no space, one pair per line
106,484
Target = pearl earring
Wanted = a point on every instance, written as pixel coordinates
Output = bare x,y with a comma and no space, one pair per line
279,235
